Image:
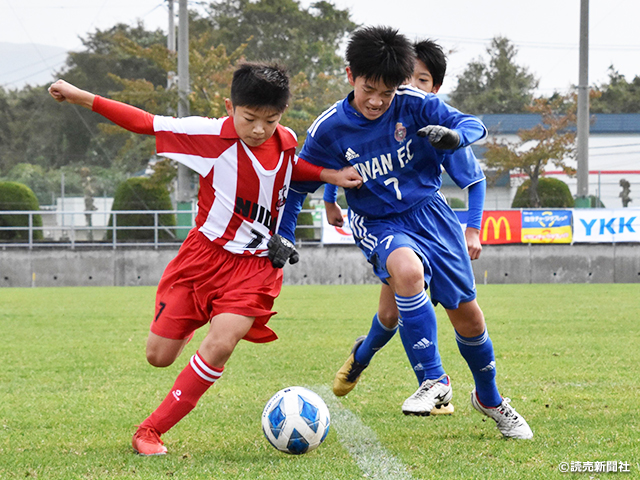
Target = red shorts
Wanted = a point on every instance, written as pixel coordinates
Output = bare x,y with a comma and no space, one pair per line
205,280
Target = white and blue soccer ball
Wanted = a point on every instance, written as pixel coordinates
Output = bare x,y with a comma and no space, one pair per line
295,420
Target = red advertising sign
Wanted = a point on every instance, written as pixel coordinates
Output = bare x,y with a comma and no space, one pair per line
501,226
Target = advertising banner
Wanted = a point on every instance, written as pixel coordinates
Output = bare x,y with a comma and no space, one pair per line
337,235
501,226
606,226
546,226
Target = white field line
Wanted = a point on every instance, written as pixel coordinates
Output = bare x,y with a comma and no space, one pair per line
361,441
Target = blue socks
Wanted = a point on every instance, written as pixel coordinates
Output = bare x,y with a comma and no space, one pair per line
377,338
419,333
478,352
416,366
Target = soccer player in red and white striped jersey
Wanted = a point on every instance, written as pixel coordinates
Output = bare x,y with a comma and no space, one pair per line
222,274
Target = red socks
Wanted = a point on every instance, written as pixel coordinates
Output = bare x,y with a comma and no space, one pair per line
193,381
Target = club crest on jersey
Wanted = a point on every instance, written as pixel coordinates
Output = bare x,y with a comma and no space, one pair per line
401,133
282,197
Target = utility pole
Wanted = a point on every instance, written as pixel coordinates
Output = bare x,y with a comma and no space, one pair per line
183,195
582,197
171,41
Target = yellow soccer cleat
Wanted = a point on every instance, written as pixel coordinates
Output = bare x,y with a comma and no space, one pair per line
349,373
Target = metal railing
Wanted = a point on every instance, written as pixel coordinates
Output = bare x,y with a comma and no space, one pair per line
102,229
78,229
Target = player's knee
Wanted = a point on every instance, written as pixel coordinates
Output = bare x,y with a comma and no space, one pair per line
159,359
409,278
388,317
468,319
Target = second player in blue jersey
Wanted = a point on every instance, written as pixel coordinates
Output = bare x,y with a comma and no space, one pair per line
398,137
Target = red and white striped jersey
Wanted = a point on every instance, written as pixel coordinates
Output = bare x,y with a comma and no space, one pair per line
242,189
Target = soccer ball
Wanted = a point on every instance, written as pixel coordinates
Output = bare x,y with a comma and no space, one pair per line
295,420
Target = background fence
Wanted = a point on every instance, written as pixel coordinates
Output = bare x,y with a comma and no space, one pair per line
22,229
147,228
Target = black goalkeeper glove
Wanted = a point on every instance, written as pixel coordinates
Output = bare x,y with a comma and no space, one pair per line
281,250
440,137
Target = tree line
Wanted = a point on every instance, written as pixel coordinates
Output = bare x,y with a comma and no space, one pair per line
40,142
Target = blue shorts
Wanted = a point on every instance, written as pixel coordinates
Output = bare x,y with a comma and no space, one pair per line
431,230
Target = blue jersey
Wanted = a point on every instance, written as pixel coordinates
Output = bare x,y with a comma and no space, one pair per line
399,168
461,165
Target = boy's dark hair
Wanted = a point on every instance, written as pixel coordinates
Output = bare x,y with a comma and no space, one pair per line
380,53
260,85
433,57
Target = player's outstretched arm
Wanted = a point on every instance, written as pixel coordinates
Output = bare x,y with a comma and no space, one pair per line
127,116
62,91
347,177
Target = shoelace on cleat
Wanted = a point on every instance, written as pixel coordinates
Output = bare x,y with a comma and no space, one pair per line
424,389
426,386
508,413
147,433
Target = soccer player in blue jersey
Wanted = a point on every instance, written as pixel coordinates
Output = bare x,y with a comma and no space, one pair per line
428,75
398,137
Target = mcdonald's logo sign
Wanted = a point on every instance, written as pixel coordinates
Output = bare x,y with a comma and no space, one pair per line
501,226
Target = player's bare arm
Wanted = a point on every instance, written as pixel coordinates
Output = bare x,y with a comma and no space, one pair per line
347,177
334,214
472,237
63,91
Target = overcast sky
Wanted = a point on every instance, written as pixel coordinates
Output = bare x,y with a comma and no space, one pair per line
545,32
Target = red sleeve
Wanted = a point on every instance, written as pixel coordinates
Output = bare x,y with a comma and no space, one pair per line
305,171
126,116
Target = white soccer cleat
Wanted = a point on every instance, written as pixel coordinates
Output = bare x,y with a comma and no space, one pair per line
510,423
430,394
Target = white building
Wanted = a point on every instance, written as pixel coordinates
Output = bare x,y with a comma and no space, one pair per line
614,154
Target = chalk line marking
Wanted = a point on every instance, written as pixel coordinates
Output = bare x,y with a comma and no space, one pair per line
361,441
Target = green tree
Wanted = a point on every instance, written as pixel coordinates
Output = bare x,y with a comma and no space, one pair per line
617,96
30,131
455,202
212,65
35,130
96,69
304,39
37,178
16,196
499,86
141,193
131,64
551,192
551,141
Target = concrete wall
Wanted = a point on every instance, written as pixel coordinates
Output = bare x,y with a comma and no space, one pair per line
602,263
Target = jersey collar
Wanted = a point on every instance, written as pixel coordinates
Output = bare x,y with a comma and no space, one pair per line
285,138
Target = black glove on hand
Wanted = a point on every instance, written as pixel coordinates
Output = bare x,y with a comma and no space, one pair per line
281,250
440,137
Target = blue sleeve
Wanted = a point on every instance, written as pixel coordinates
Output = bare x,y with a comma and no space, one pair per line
330,193
476,204
463,167
289,219
436,112
470,132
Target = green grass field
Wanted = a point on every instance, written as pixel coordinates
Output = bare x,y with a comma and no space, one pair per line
74,381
